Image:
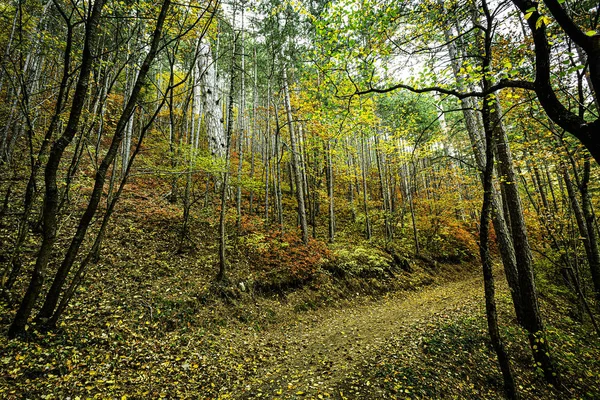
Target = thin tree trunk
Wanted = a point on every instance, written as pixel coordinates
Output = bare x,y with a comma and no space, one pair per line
594,257
63,270
499,212
531,317
411,195
221,275
49,217
368,233
329,177
94,251
296,167
488,276
267,151
242,125
253,139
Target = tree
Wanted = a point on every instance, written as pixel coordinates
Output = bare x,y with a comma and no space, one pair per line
51,193
588,41
51,196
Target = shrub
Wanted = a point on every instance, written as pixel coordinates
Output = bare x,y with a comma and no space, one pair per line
284,262
360,262
454,243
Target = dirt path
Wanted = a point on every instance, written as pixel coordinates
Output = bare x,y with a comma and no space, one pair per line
310,358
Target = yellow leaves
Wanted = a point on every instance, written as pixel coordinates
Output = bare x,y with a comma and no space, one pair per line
530,12
542,20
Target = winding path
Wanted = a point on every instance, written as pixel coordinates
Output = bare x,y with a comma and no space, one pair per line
311,357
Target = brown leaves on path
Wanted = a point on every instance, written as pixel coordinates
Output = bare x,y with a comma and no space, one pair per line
312,356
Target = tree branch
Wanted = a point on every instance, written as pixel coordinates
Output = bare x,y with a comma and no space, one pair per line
505,83
567,24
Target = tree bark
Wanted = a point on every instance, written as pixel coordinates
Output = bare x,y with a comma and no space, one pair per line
594,256
221,275
501,228
296,167
84,222
486,260
329,177
49,217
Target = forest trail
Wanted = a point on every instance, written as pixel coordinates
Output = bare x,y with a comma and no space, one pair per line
314,356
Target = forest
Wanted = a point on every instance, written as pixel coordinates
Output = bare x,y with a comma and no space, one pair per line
287,199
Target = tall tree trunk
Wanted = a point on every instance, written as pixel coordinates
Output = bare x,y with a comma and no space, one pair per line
85,220
368,232
267,150
594,256
49,217
193,146
492,121
221,275
329,177
15,259
384,189
278,174
579,216
213,111
296,167
172,135
253,139
531,317
242,125
412,190
95,250
501,224
486,260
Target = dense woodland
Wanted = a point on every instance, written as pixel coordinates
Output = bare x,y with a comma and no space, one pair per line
224,199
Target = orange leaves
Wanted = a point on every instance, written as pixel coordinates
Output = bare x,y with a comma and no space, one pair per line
284,261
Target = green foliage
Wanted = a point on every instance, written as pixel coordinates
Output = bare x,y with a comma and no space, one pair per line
360,261
409,112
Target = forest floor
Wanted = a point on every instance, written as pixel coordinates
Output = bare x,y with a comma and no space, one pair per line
150,322
332,352
430,343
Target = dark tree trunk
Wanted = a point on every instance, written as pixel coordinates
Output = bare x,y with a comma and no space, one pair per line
329,178
594,256
63,270
49,218
486,260
222,274
296,161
